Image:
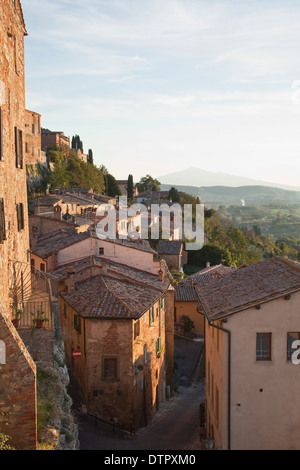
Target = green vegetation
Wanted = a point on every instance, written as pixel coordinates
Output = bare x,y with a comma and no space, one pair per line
130,188
4,438
147,183
238,235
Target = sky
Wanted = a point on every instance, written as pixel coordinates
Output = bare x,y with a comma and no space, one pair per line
157,86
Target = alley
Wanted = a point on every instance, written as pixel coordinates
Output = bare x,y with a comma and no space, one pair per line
176,424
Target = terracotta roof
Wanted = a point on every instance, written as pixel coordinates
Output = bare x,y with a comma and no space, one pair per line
114,269
185,293
106,297
55,241
249,287
169,247
208,273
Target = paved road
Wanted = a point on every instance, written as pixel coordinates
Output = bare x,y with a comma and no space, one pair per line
174,427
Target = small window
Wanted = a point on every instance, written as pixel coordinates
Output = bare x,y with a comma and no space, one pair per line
291,337
77,323
145,353
136,329
42,267
263,346
151,315
101,251
2,222
110,368
158,346
32,263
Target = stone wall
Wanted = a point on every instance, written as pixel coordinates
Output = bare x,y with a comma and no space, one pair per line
13,189
18,388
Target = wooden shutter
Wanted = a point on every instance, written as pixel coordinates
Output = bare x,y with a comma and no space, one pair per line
19,147
1,134
2,222
20,216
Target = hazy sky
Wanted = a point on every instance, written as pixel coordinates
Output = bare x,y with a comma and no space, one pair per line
158,86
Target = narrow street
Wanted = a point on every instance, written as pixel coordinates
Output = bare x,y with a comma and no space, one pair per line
176,424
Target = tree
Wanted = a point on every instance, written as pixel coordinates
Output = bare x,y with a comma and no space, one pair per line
174,195
77,143
90,158
130,188
147,183
113,188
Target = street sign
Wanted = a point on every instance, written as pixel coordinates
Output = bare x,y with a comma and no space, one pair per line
76,353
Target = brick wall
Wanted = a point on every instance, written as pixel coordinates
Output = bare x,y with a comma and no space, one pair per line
32,138
13,189
18,388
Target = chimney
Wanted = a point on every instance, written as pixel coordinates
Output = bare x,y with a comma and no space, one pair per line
71,280
33,240
104,267
161,275
208,264
57,213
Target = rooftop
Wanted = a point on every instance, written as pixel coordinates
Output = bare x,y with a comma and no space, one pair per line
114,270
208,273
169,247
185,293
55,241
249,286
107,297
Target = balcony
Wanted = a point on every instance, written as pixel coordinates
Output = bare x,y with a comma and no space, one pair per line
32,293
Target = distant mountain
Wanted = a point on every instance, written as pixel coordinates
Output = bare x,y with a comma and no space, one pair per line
243,195
199,178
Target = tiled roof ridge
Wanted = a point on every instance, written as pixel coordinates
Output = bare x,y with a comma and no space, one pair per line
289,262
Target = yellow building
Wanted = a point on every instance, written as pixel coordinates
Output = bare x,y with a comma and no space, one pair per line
252,318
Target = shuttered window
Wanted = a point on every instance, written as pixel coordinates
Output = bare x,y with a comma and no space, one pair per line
1,135
19,147
2,222
20,216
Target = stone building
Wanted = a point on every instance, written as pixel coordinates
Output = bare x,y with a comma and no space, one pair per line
173,253
121,320
54,139
32,139
17,372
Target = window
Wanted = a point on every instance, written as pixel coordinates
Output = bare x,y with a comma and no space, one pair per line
1,135
2,222
263,346
145,353
42,267
32,263
162,302
110,368
137,329
151,315
158,346
20,216
101,251
77,323
19,147
291,337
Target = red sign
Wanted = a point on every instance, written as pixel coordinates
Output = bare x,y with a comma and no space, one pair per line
76,353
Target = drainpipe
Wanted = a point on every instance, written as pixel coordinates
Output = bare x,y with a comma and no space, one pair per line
228,332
